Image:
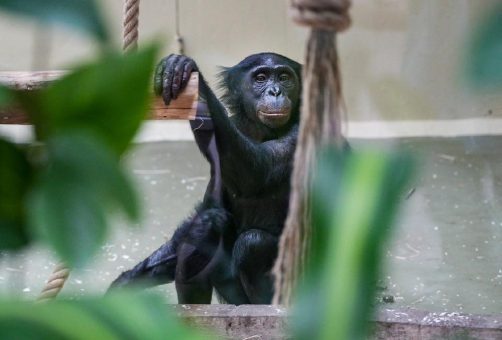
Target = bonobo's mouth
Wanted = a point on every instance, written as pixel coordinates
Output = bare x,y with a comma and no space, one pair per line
273,113
274,119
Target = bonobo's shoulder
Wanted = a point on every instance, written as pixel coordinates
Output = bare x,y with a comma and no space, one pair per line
265,57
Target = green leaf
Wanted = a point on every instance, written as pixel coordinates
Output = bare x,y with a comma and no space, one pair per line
149,319
82,15
122,316
15,180
5,96
484,63
354,201
109,98
69,204
21,320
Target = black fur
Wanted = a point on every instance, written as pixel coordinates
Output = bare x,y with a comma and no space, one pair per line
230,242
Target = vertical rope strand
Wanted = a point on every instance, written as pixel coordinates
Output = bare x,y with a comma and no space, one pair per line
55,283
130,25
320,124
180,44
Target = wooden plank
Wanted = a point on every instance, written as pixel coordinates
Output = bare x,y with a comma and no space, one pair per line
21,80
184,107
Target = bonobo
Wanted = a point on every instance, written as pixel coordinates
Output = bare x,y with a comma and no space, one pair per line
230,241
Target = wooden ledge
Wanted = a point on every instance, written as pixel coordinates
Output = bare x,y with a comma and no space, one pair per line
184,107
271,322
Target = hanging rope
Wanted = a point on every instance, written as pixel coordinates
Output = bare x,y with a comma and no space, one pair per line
180,43
55,283
130,25
320,124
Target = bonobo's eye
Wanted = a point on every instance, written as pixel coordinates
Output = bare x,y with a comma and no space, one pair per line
284,77
260,78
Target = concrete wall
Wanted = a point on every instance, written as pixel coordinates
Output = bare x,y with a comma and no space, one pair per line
401,59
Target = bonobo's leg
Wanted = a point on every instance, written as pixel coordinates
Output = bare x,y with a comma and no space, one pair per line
157,269
254,255
196,256
192,279
225,280
160,267
198,287
204,262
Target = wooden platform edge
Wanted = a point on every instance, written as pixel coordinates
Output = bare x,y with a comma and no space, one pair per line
273,322
183,108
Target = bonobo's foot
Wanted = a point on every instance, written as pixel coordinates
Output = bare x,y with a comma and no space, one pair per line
158,268
172,75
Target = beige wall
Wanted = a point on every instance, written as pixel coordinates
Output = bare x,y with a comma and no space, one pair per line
401,59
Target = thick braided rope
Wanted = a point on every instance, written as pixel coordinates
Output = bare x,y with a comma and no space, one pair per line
130,25
55,283
320,124
321,14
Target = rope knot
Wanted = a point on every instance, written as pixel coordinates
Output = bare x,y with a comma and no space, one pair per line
332,15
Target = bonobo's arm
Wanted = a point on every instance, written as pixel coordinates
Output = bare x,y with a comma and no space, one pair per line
257,161
172,75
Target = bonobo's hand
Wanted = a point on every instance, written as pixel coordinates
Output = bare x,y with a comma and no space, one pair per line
172,75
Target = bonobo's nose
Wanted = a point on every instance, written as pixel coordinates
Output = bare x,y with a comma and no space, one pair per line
274,91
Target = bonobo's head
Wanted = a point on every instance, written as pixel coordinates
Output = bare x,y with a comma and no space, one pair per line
265,87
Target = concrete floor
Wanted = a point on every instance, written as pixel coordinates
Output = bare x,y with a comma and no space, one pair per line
446,254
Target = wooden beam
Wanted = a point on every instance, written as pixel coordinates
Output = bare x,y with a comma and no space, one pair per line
184,107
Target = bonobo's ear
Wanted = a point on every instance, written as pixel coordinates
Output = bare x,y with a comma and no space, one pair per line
223,77
298,69
229,85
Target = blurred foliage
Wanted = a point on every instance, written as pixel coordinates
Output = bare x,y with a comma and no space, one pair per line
109,98
68,205
82,15
5,96
86,121
61,192
16,177
61,189
484,63
117,316
355,197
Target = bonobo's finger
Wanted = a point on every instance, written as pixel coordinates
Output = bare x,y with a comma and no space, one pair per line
168,78
166,92
157,79
187,70
177,75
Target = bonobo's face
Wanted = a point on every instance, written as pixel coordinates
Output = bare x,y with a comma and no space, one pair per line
271,91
